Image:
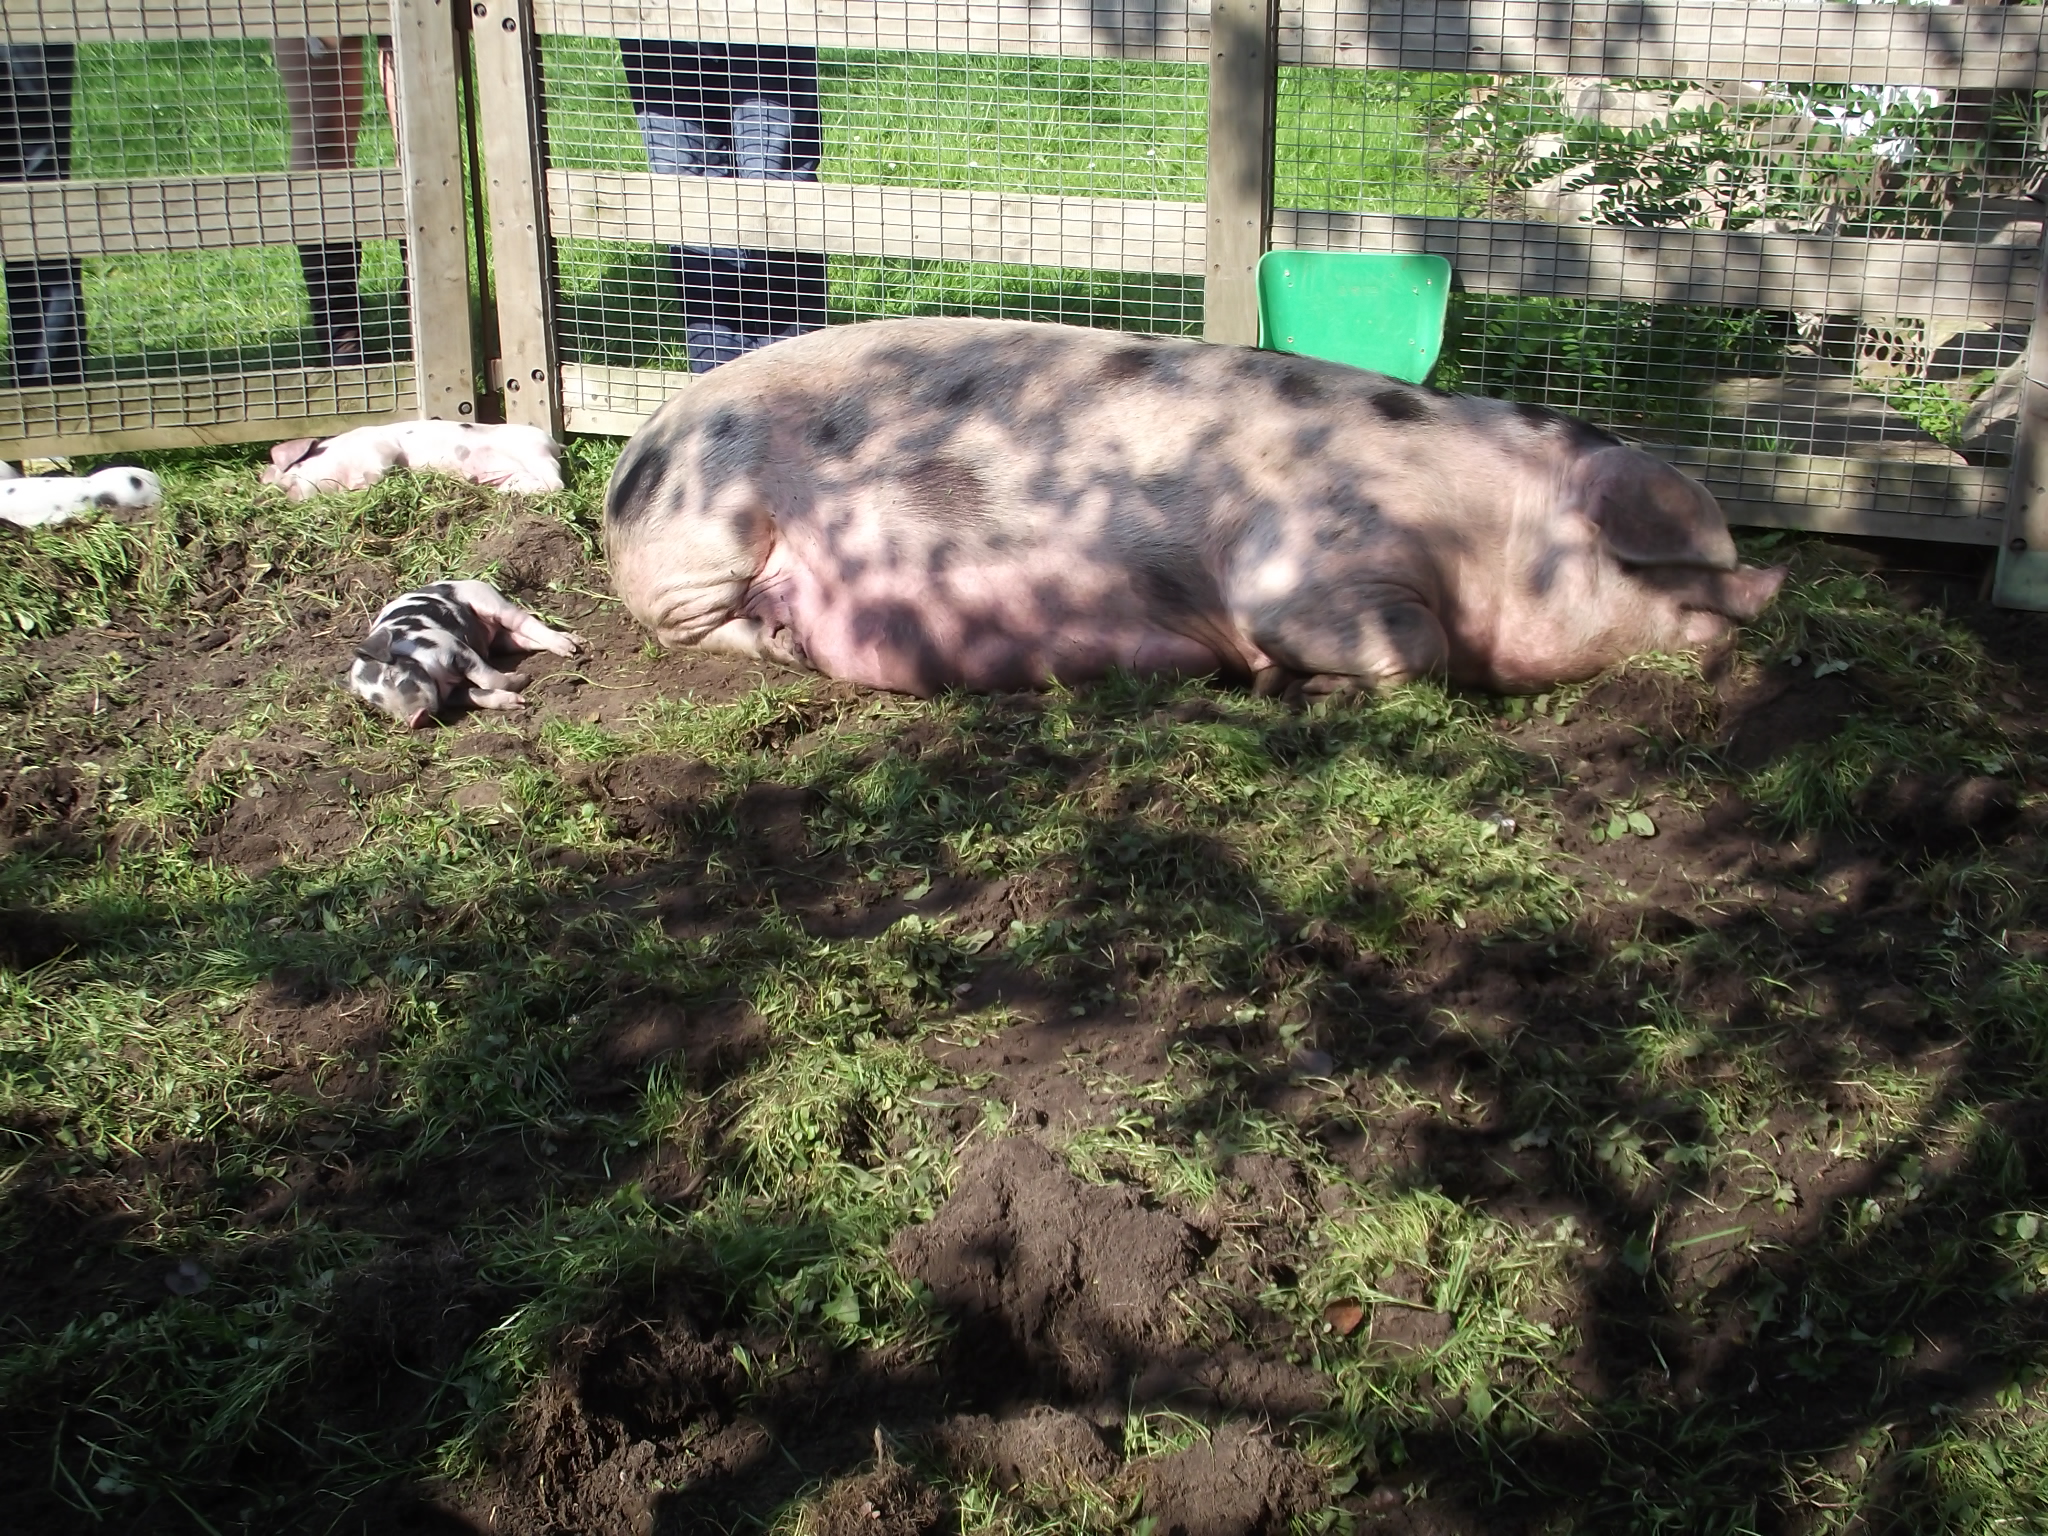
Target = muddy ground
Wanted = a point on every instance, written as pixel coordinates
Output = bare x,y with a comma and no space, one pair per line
1064,1301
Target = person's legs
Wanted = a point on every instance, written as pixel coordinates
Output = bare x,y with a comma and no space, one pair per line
45,299
323,92
709,109
776,136
680,99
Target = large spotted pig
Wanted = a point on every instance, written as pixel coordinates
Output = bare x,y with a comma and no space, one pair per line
924,504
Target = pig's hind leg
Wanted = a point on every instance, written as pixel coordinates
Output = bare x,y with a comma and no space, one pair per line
506,621
530,634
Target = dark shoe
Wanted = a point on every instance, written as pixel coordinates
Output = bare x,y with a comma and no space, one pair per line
332,272
46,318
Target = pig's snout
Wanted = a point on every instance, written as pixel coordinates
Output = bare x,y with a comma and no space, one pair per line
1747,590
1731,597
1699,609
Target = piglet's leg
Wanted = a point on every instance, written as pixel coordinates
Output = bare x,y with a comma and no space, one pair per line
496,698
519,628
485,680
484,675
529,634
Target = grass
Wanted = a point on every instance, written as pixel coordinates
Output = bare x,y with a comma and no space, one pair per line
1676,1134
190,109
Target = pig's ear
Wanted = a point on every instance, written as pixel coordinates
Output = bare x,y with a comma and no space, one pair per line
376,646
1650,514
285,455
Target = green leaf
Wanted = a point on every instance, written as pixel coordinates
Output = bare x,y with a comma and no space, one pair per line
844,1308
1635,1253
1617,825
1641,824
1479,1403
2027,1227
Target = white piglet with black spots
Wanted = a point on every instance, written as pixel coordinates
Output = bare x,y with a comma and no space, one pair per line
42,501
428,648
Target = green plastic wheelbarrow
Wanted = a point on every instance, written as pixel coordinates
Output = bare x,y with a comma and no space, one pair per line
1383,312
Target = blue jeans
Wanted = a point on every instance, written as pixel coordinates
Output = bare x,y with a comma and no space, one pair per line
707,109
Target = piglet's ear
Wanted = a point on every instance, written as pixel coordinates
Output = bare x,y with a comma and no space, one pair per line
376,646
1650,514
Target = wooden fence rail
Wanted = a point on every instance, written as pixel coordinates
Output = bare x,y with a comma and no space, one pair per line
1952,47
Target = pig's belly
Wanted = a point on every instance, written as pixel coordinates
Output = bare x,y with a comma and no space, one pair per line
990,626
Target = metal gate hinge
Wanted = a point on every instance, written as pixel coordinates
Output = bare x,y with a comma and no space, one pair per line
494,373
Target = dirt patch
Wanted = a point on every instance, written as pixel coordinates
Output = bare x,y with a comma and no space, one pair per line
655,795
532,555
45,806
634,1406
1780,711
320,1042
1936,814
1239,1482
709,1044
1043,1448
287,802
1403,1331
271,823
1054,1284
888,1501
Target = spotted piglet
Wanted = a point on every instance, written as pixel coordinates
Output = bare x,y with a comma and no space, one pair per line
428,647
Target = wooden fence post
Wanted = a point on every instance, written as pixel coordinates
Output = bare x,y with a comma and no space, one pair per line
424,46
2022,577
522,255
1244,90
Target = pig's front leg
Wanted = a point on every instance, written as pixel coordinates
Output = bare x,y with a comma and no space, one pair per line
1376,642
491,689
760,639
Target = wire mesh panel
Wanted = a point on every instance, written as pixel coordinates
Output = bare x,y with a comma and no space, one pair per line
719,175
1787,242
202,221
